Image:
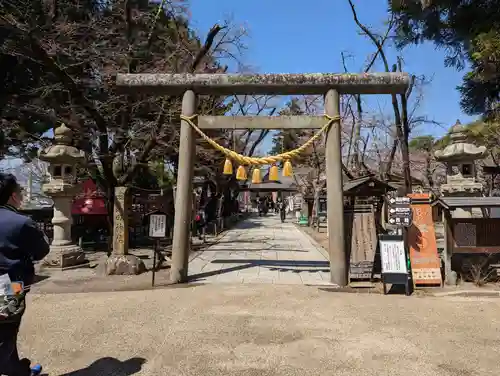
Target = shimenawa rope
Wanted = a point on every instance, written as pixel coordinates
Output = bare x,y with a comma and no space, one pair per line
257,161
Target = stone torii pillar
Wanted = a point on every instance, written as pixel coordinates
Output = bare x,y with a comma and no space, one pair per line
330,85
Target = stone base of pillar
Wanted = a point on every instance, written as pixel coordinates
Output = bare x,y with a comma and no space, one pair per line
451,279
122,265
65,257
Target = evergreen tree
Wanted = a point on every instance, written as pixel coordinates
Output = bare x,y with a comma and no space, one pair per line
470,32
289,139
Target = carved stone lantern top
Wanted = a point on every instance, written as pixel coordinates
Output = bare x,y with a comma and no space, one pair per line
63,158
459,149
62,151
459,157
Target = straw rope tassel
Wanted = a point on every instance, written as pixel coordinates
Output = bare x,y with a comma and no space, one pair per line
273,173
228,167
241,173
287,168
256,178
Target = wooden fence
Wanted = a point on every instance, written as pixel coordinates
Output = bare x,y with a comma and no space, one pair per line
475,235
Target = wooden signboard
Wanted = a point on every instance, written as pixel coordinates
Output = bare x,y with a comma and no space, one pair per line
424,257
362,240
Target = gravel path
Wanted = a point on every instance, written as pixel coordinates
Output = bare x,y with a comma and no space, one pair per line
259,330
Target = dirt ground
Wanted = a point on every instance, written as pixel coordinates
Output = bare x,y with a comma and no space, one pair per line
91,279
260,330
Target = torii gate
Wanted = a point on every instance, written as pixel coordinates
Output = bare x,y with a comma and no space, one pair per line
330,85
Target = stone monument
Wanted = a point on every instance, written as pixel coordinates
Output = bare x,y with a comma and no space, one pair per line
459,158
63,158
120,262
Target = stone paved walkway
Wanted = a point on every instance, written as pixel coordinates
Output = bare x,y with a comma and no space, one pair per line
262,250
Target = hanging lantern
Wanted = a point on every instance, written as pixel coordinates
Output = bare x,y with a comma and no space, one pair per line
256,178
228,167
287,169
241,173
274,173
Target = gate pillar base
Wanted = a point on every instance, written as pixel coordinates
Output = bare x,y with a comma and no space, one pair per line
178,276
451,279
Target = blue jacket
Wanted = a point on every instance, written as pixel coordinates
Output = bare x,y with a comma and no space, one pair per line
21,243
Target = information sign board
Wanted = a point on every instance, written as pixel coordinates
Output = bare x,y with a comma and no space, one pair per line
393,257
157,225
394,260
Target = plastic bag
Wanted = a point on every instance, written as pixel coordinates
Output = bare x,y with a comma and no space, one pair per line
12,299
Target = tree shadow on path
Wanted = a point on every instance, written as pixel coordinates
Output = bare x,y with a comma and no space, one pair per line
110,367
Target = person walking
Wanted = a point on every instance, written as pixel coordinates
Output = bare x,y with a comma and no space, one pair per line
21,243
282,209
200,224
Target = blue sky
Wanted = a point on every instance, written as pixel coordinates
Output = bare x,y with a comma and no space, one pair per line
292,37
288,36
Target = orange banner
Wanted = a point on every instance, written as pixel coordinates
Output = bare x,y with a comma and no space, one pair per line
424,257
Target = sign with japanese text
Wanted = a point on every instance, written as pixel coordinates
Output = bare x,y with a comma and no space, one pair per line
400,213
392,254
424,257
157,225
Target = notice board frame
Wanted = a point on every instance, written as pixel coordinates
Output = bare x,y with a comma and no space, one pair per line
396,278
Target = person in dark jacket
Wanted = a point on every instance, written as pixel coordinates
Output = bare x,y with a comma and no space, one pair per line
21,243
282,209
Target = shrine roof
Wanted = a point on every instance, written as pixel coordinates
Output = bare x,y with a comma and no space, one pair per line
467,202
371,181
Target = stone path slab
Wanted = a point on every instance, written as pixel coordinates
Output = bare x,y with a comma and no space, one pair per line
262,250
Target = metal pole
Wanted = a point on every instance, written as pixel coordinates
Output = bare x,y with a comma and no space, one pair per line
184,196
335,195
155,249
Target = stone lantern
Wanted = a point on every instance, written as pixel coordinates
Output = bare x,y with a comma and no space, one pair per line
459,157
63,158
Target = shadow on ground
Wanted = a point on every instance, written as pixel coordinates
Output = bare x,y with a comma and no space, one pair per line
280,265
257,249
253,222
110,366
245,241
393,290
40,278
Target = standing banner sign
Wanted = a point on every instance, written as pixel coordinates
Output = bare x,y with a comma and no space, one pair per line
394,258
424,256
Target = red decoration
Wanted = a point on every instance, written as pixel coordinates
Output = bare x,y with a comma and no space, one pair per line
90,201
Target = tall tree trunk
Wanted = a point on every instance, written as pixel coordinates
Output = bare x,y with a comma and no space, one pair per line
428,170
110,200
405,130
357,135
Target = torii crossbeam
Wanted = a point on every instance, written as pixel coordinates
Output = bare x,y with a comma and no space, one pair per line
330,85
